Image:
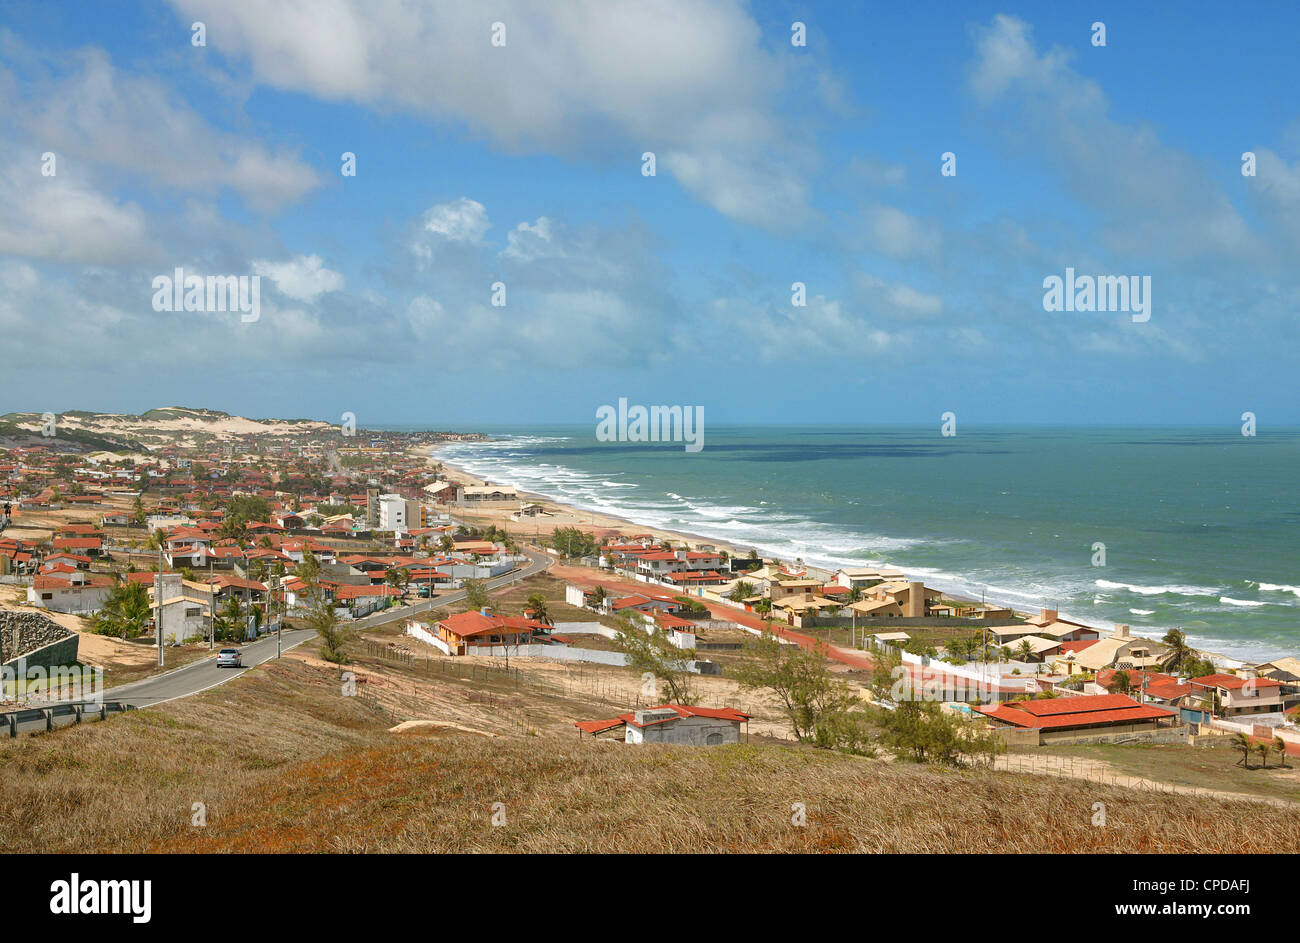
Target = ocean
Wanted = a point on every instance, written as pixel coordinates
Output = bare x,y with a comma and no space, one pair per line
1201,527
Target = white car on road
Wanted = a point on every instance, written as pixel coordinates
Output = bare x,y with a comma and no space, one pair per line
229,658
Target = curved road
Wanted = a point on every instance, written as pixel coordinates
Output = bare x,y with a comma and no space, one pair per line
201,675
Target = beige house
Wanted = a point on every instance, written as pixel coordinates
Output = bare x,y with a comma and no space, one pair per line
1237,696
1120,649
877,607
1286,670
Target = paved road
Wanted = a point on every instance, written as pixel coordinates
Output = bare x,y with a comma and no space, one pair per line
181,682
203,674
538,562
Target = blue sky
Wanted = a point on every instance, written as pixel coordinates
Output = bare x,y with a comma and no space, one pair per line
775,164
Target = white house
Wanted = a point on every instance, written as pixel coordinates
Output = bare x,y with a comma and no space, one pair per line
77,591
673,723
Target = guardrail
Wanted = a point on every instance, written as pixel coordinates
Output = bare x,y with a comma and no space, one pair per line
43,718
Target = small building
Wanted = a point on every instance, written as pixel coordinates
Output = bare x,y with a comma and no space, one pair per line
673,723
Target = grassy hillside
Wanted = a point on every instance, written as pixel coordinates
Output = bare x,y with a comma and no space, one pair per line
283,762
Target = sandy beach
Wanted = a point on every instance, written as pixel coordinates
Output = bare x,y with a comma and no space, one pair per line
607,525
563,515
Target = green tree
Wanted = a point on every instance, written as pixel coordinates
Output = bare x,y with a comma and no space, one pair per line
537,603
1179,653
922,732
742,590
802,681
573,542
476,596
230,623
652,653
322,617
125,613
1242,742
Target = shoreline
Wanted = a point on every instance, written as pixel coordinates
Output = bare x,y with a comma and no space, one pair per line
599,521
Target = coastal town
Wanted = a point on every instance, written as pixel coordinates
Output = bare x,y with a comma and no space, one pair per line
218,535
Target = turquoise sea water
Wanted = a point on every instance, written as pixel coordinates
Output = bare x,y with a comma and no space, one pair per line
1201,526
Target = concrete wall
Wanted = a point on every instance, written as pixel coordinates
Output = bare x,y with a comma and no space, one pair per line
35,636
1138,732
690,731
556,652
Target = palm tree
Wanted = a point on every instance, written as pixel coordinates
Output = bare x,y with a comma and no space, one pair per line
126,611
741,591
598,596
537,603
1179,653
1025,650
1280,746
1121,682
1264,746
1242,742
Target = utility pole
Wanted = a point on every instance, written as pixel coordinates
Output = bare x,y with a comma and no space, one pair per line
212,608
157,604
279,623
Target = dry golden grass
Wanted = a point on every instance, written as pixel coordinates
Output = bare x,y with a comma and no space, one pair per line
283,762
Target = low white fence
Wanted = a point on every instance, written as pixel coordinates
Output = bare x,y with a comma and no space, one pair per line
584,628
556,652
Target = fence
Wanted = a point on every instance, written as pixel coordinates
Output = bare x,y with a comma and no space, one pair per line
558,679
43,718
1074,767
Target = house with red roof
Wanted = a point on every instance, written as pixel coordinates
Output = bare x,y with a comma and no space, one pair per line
74,591
672,723
461,634
1236,695
85,546
1073,718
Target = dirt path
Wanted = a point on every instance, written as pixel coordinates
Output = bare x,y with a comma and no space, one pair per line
1098,771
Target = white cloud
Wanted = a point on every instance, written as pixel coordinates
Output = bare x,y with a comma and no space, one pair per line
64,220
687,79
822,328
100,115
898,300
462,220
302,278
530,242
1147,193
900,235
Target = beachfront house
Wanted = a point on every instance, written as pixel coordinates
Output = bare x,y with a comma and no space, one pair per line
1237,696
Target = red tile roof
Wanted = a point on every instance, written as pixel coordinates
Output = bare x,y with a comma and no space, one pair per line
1064,712
466,624
1234,683
683,711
